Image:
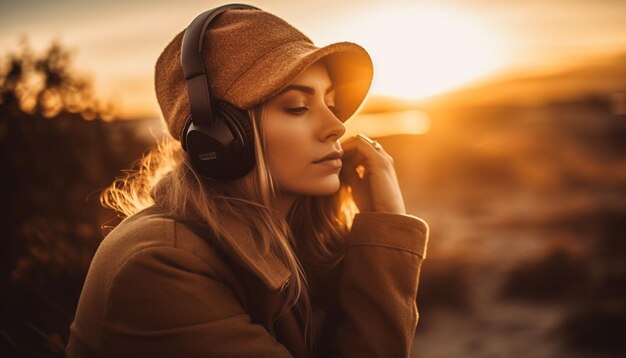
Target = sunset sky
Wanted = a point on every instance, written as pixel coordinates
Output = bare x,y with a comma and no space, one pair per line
419,48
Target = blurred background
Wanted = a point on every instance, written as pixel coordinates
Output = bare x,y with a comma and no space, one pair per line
506,119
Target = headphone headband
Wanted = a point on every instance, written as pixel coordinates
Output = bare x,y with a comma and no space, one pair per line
200,99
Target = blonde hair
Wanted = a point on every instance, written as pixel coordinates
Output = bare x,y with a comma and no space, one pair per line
310,239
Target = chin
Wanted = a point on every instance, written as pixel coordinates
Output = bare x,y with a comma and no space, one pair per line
324,187
329,187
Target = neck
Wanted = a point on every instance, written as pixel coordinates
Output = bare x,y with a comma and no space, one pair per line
284,203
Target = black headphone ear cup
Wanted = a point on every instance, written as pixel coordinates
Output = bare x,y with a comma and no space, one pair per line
225,150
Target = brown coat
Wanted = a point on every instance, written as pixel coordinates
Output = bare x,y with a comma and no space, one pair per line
156,288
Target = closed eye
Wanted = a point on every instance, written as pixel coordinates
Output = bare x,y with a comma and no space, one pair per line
297,110
302,110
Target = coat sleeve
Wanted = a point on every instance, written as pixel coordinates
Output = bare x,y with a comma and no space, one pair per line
165,302
378,286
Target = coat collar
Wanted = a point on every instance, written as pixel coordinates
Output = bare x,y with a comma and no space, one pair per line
247,250
244,248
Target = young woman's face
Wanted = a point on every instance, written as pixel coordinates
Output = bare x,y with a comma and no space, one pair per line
300,129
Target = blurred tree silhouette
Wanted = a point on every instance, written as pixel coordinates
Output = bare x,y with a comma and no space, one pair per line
58,151
47,85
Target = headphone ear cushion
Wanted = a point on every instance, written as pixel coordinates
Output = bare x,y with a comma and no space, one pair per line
239,121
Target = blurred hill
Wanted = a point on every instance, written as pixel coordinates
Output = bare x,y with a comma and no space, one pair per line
603,78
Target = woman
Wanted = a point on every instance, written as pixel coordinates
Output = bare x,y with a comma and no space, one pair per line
310,254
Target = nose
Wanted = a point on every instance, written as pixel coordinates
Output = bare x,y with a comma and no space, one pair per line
332,127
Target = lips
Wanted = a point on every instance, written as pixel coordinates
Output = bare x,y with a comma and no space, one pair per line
330,156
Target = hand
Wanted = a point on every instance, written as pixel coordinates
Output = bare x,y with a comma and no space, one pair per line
371,176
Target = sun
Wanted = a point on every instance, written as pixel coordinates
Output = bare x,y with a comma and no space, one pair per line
419,51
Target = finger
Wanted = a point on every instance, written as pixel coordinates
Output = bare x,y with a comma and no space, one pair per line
358,144
362,141
350,169
362,145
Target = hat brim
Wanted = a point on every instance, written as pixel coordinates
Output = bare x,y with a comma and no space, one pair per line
349,67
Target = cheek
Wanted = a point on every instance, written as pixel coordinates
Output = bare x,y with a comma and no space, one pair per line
288,152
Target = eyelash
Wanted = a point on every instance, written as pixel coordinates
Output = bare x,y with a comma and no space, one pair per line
300,110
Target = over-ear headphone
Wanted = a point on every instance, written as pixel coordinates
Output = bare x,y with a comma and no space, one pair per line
217,135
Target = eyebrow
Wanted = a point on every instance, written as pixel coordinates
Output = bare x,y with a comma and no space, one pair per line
305,89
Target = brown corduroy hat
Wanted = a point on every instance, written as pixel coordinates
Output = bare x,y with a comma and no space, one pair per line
250,55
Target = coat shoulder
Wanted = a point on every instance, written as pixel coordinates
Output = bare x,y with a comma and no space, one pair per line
148,229
145,264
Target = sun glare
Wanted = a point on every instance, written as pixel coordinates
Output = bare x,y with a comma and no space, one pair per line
420,51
